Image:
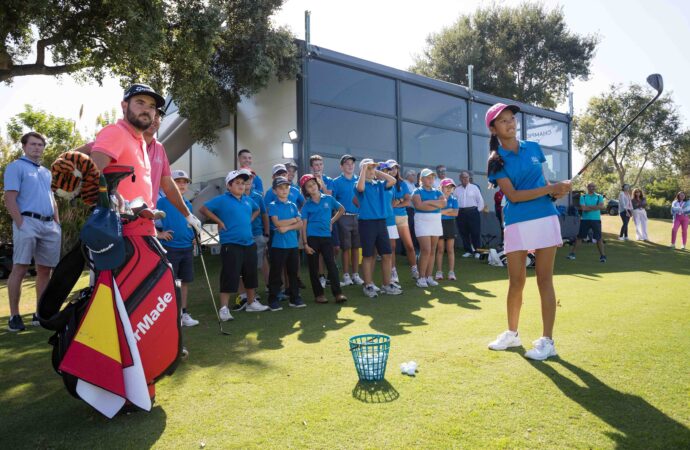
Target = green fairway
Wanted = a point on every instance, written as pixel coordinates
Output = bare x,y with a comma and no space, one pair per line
287,379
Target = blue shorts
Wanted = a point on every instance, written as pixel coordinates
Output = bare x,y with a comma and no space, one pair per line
182,261
374,234
335,236
586,225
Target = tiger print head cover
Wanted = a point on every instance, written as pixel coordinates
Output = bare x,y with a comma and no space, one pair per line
75,175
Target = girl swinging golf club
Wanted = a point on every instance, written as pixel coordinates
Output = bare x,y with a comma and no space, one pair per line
531,222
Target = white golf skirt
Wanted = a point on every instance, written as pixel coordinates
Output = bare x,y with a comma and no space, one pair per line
428,224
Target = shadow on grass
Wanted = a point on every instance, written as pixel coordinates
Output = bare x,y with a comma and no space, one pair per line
375,392
638,423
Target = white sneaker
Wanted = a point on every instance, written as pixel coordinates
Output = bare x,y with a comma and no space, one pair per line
467,255
477,255
393,283
505,340
682,247
322,280
431,282
394,276
187,320
376,288
439,275
356,278
621,238
347,281
415,272
451,276
392,289
224,314
543,348
421,282
369,291
256,306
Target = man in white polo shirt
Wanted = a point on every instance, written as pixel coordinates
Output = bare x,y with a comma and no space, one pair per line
470,202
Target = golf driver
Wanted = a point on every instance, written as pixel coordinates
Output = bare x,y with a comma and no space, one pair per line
655,81
208,281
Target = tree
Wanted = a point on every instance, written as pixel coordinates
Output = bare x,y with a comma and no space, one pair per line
206,53
648,141
526,53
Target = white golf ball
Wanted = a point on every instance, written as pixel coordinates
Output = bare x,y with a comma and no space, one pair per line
410,370
403,367
412,364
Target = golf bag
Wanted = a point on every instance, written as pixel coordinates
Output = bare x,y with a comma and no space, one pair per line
147,287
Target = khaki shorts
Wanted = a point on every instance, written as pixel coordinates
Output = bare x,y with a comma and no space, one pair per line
401,221
38,240
261,245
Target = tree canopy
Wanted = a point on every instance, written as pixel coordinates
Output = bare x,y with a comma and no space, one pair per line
525,53
206,53
651,140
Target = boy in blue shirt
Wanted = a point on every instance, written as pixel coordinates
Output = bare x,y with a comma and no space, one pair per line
177,238
285,221
294,194
342,191
373,191
234,212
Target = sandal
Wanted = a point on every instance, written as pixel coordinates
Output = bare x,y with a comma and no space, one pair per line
321,299
340,298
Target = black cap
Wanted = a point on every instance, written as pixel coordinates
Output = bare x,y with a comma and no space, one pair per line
291,164
277,181
144,89
346,157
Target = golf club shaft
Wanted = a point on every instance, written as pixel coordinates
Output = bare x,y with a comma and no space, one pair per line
208,282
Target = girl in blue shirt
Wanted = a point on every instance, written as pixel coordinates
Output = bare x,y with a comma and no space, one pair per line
317,227
447,241
531,223
427,203
401,201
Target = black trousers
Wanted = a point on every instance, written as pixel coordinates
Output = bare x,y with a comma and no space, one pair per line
410,223
283,258
469,227
624,228
322,246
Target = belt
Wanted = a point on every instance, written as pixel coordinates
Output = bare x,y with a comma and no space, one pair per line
37,216
468,208
351,214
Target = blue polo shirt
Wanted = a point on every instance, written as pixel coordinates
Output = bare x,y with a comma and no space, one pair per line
400,191
32,182
591,200
318,215
373,201
524,169
295,196
258,223
431,194
283,210
452,203
343,191
182,233
237,217
328,182
257,184
390,214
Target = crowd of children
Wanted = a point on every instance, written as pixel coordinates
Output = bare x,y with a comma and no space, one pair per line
349,214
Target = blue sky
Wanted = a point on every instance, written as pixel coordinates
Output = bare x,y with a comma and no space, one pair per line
637,38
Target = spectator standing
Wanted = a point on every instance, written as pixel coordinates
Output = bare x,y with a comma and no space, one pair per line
401,204
36,232
470,202
625,208
343,192
245,159
591,205
680,208
411,183
639,214
427,202
447,242
440,175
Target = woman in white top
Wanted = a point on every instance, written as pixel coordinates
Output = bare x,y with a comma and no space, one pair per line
625,209
680,208
639,213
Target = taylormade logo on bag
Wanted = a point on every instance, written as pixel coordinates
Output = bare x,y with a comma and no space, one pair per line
150,319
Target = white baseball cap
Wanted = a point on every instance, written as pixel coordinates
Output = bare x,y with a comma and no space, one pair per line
366,162
426,173
177,174
278,168
237,173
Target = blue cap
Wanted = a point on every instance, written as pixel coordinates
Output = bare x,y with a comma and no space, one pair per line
102,235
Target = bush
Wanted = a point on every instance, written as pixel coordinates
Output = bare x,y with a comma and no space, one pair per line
658,208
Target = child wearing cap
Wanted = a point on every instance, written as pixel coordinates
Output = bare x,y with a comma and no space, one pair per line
447,240
531,222
394,195
374,195
177,238
348,229
285,221
427,203
317,225
234,212
294,194
401,203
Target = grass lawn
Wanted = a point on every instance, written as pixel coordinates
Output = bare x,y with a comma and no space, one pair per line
287,379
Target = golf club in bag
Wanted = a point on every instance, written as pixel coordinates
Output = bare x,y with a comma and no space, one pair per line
655,81
208,282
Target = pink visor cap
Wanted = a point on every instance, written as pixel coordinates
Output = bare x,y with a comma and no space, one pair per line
497,109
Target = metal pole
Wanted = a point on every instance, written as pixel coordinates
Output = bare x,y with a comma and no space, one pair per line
470,77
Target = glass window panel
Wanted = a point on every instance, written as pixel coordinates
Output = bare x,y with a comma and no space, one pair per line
331,83
556,167
548,132
429,146
337,132
480,153
434,107
479,113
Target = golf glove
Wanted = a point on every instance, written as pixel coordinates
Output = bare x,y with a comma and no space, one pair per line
194,222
